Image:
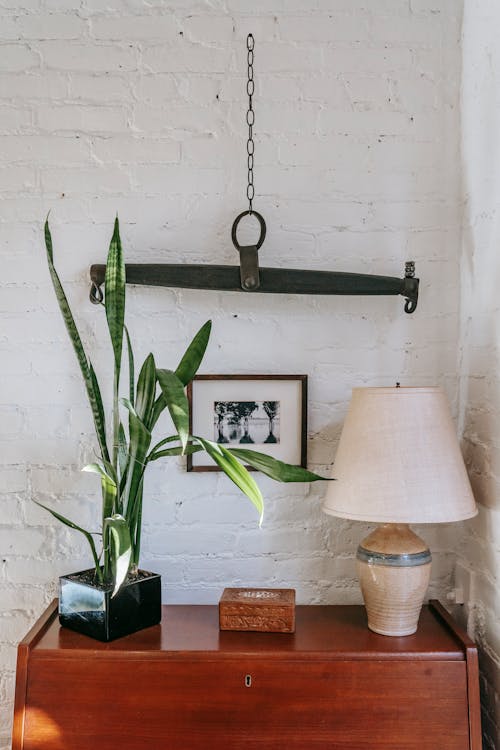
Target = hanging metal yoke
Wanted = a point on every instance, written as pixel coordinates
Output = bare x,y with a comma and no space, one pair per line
248,277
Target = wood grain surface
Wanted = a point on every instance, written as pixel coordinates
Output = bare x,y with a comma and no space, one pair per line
185,685
264,610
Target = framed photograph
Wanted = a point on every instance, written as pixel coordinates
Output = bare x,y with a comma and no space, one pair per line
266,413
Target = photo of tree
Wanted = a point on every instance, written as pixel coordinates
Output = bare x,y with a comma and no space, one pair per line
220,406
245,422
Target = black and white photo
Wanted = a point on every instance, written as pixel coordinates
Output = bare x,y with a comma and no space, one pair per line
265,413
240,422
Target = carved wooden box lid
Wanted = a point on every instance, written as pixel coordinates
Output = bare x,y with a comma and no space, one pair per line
264,610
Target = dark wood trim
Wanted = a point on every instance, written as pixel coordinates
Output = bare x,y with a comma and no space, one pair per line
23,651
41,625
460,635
20,697
475,732
189,394
304,414
233,376
303,426
471,658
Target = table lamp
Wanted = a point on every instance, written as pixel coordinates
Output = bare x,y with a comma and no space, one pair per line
398,462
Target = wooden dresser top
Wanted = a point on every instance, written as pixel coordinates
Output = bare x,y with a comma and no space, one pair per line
332,632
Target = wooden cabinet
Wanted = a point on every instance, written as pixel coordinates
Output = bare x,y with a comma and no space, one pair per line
185,685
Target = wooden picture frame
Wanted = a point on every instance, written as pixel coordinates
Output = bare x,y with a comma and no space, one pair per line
220,408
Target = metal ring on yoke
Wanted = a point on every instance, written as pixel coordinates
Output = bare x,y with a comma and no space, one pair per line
261,221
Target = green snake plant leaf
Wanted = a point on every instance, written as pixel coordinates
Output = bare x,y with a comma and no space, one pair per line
236,472
187,368
159,406
135,525
117,537
75,526
177,403
131,368
170,439
156,453
189,364
160,444
114,303
177,451
114,289
274,468
146,389
122,450
110,469
139,443
97,398
88,374
109,489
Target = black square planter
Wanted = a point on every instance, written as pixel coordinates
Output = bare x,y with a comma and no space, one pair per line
88,607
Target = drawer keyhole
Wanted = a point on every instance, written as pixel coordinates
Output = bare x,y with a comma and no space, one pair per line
248,680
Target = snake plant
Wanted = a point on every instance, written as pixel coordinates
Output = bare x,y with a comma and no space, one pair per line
126,451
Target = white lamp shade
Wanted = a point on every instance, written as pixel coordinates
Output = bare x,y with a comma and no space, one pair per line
399,461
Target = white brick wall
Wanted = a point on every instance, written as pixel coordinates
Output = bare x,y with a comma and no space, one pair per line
138,107
480,366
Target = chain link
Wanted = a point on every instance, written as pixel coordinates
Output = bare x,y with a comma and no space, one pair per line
250,122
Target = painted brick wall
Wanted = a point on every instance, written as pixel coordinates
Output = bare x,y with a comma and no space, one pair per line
138,107
480,401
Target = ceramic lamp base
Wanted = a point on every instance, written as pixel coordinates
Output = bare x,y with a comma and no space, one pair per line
394,567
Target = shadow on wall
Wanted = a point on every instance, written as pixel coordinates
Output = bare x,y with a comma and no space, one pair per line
481,365
480,371
480,337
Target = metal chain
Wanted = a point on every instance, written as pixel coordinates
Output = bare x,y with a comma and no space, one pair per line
250,122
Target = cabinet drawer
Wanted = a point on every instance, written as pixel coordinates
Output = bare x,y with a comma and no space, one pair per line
184,704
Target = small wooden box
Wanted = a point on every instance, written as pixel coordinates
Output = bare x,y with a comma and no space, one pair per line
264,610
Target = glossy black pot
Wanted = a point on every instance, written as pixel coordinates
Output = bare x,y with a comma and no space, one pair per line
89,608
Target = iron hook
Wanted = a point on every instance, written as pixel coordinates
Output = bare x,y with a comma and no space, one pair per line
96,295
